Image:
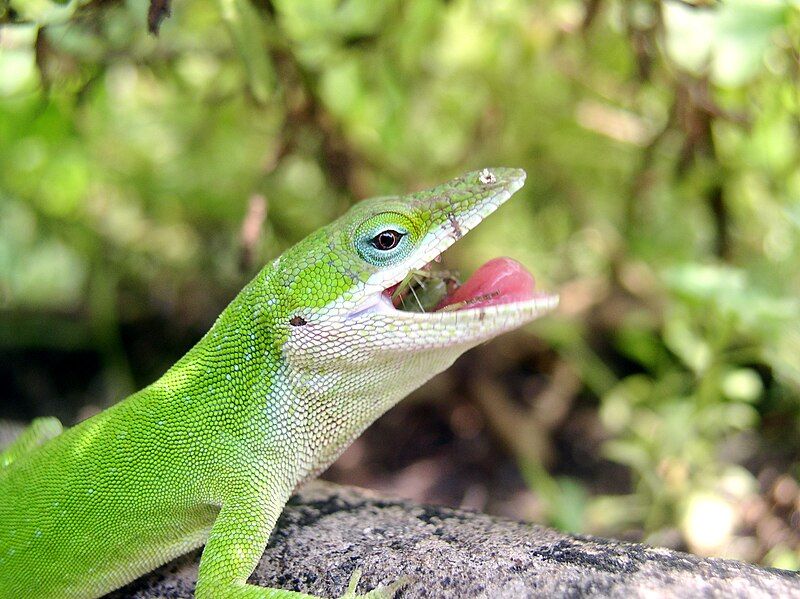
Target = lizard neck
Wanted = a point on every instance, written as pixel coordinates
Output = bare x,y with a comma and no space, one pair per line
231,384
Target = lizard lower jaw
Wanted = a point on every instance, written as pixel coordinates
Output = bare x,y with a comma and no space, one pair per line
512,312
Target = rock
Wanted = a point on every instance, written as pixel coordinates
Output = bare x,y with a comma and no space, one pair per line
326,531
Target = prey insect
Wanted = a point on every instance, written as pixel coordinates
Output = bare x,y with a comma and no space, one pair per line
428,288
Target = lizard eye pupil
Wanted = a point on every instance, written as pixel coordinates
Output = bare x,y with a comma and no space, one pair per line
386,240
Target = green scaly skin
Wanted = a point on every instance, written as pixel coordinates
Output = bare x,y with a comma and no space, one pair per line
302,360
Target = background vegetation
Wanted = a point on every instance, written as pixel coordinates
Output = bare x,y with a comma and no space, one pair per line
144,179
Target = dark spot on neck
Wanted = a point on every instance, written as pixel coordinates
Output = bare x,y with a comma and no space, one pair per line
457,232
297,321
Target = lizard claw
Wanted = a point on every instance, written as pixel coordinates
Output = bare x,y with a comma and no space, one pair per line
382,592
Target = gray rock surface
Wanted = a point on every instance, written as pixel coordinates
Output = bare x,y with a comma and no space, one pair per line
326,531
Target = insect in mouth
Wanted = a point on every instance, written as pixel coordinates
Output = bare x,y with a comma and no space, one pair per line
422,290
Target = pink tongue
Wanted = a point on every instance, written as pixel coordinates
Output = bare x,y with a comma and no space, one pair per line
499,281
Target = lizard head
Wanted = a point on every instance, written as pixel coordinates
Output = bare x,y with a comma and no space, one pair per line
358,337
362,263
401,239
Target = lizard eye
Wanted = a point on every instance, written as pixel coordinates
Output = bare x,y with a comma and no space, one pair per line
386,240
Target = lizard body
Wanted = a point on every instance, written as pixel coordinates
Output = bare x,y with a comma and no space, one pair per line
308,354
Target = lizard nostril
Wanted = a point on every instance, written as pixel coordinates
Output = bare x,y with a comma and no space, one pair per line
297,321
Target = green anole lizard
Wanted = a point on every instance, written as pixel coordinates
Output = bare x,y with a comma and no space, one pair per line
308,354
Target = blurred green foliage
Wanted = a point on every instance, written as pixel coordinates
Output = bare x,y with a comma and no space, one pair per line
663,200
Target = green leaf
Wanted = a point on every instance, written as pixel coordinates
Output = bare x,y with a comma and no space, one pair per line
244,24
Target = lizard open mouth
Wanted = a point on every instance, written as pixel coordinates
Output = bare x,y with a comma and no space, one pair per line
499,281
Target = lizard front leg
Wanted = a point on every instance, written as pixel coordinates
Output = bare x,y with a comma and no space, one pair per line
235,545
